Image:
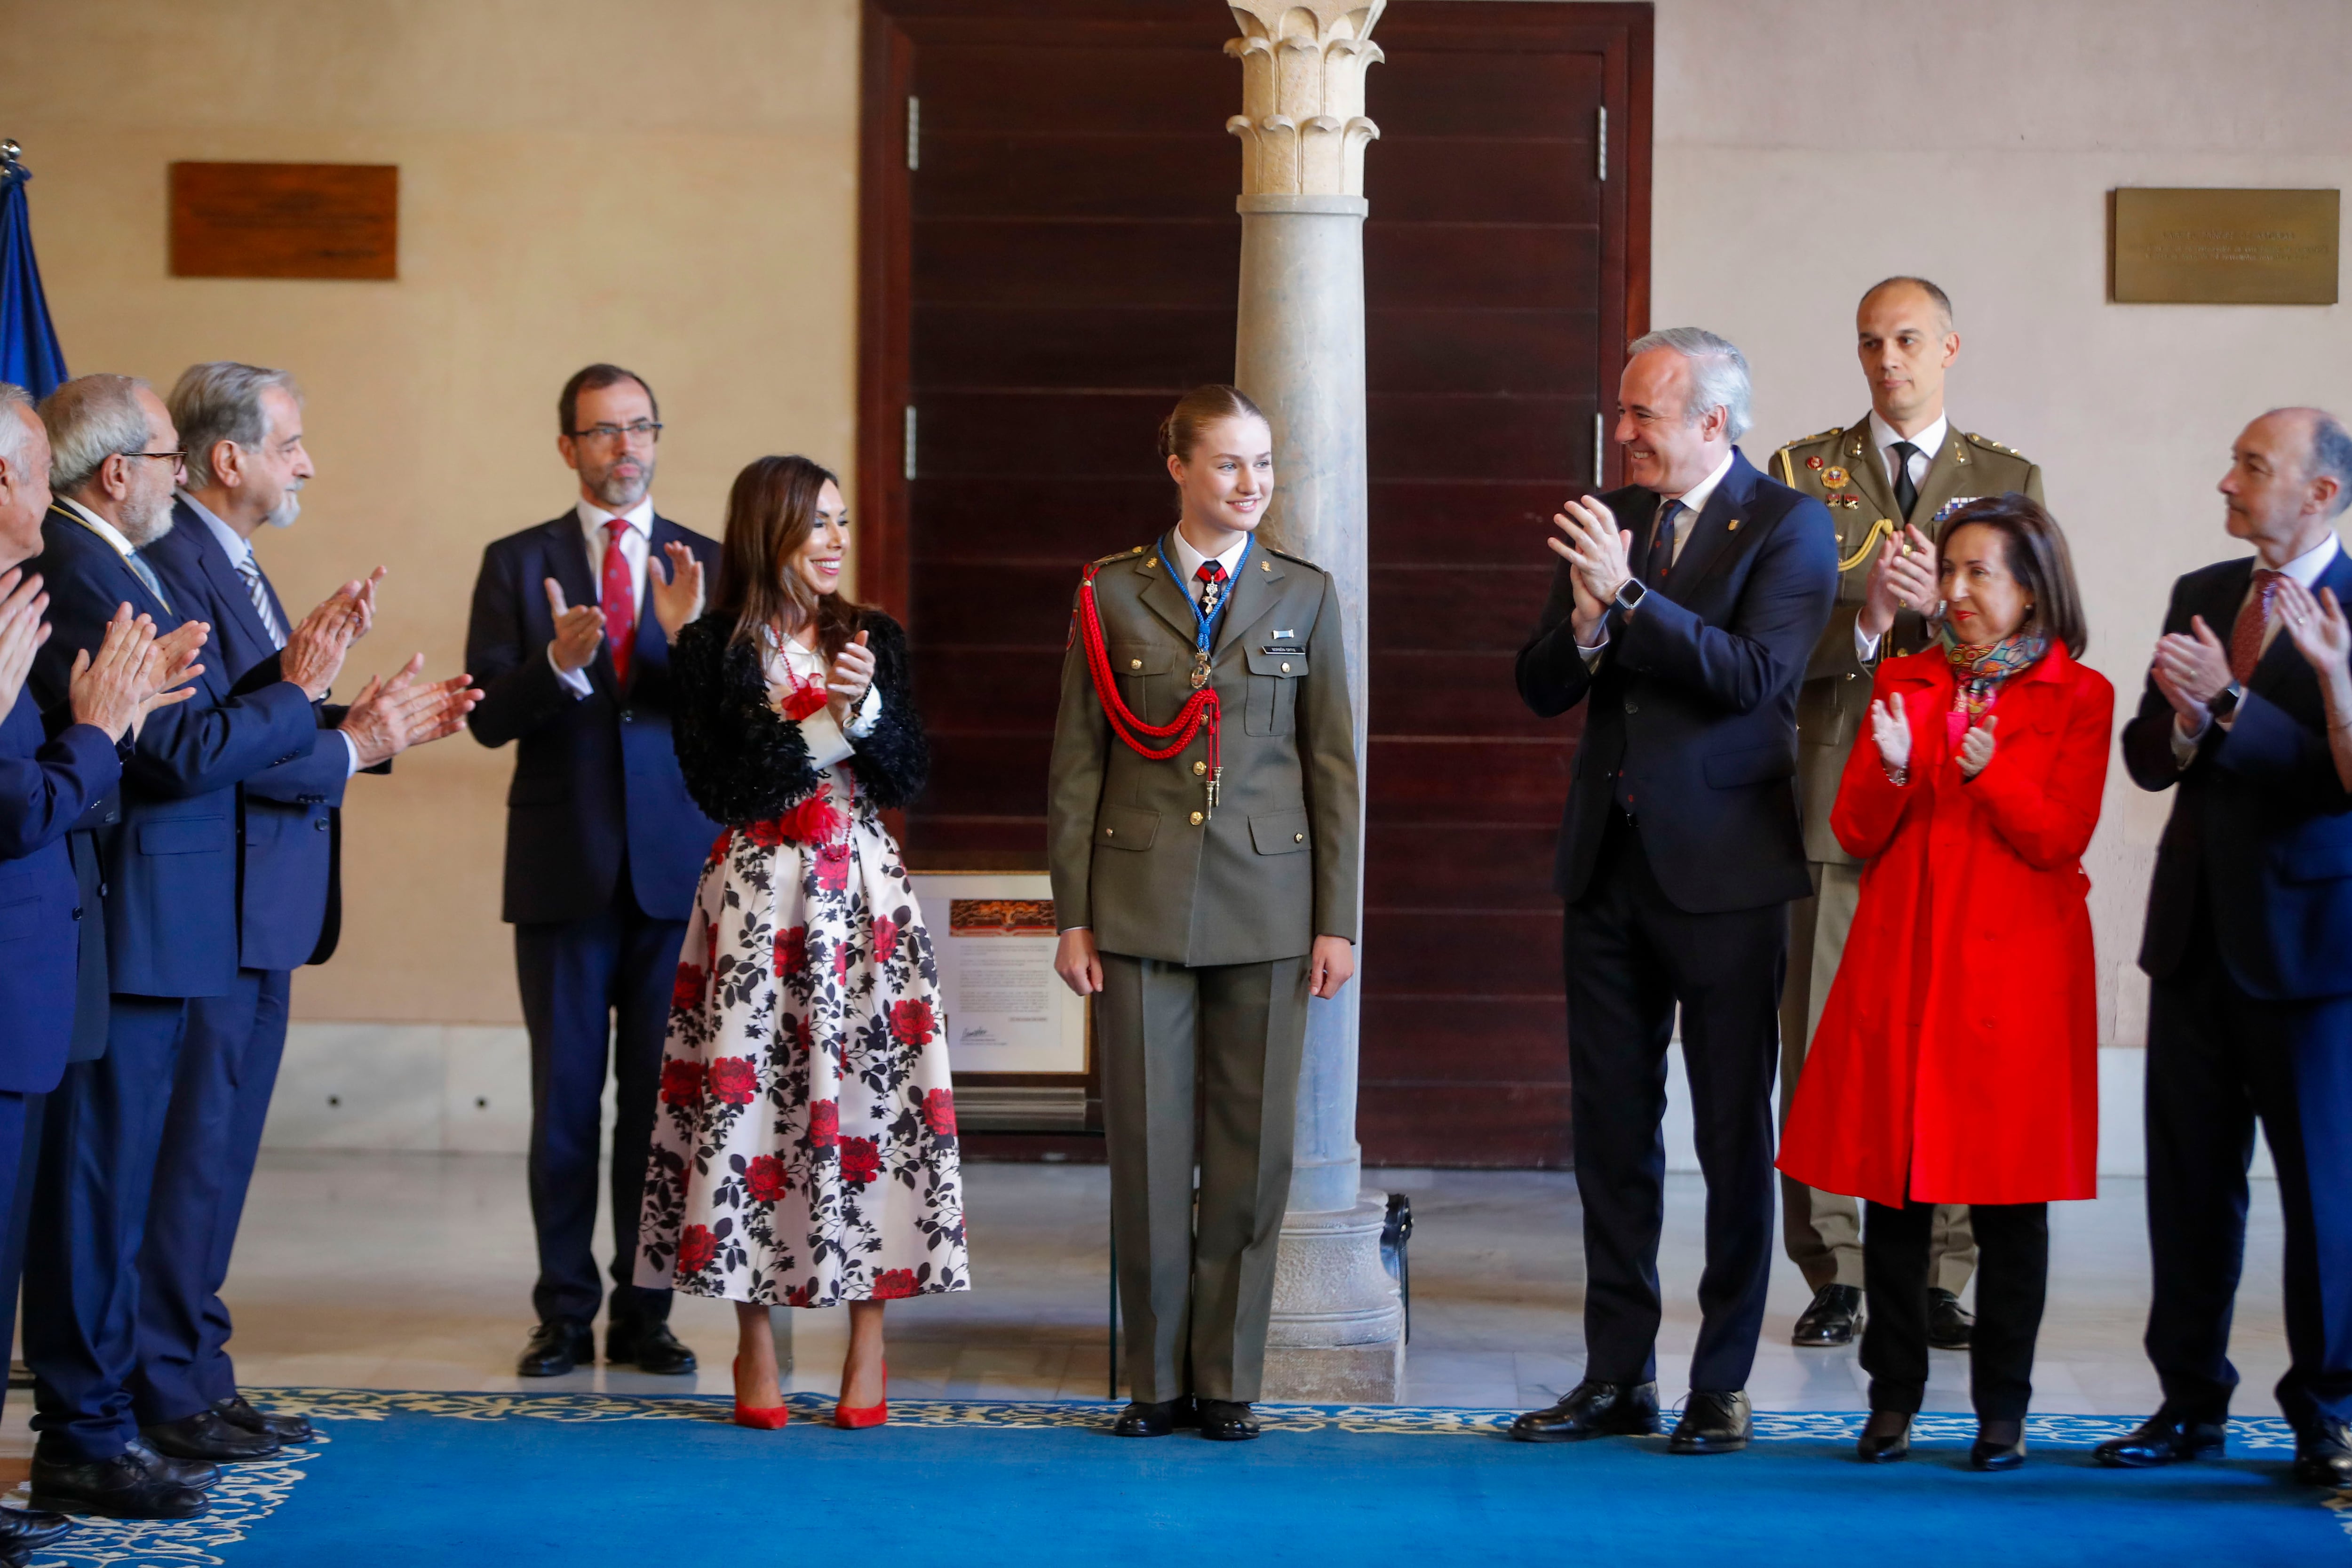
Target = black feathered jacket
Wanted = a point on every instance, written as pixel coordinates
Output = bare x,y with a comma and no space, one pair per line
746,762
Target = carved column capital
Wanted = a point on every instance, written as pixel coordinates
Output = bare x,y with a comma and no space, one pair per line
1302,123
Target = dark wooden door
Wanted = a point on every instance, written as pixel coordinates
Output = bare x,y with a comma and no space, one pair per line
1057,260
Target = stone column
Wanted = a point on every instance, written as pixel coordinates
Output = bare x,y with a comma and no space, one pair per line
1338,1327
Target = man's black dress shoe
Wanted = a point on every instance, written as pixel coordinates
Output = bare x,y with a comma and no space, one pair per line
238,1411
648,1347
1999,1445
196,1474
1833,1319
1885,1438
1593,1409
556,1347
1712,1423
1156,1418
1949,1325
2322,1454
131,1485
2166,1438
1227,1421
206,1436
24,1529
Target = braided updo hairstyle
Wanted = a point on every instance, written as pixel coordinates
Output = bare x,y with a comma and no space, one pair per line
1196,411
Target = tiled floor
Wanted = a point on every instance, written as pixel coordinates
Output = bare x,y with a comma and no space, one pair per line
414,1271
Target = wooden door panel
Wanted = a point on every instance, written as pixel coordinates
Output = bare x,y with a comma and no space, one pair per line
1441,349
1076,261
1484,864
1465,519
1062,345
1048,90
1420,437
989,173
1061,519
1517,182
1488,609
1517,1036
1494,266
1447,1121
1006,434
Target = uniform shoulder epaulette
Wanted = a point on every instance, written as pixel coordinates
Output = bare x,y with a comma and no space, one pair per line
1830,434
1989,444
1293,560
1121,556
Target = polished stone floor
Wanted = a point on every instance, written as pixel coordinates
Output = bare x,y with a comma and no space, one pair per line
413,1270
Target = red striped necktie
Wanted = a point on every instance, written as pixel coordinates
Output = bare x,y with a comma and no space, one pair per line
619,600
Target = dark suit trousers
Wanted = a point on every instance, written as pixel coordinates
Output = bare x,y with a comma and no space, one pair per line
1631,958
1221,1042
593,990
229,1068
100,1132
2012,1280
2218,1060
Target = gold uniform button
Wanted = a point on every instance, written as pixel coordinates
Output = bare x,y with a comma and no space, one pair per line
1196,819
1286,667
1298,838
1200,768
1266,565
1110,833
1134,664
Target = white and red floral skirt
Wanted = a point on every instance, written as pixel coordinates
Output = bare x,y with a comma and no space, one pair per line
804,1150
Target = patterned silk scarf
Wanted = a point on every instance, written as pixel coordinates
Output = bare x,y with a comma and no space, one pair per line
1980,670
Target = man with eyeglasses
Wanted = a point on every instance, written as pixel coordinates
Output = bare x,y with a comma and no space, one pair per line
569,643
168,864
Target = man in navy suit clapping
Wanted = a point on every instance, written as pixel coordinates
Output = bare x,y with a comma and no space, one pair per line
2249,944
570,642
242,426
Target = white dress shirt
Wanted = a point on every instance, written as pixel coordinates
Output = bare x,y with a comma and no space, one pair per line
827,741
636,545
240,550
1693,501
2305,569
1884,436
1188,563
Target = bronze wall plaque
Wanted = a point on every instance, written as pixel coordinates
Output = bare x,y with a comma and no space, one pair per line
285,220
2222,246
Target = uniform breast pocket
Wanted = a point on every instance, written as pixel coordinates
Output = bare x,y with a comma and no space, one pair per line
1273,677
1145,672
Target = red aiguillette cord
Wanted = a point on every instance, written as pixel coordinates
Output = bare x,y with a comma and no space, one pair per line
1199,715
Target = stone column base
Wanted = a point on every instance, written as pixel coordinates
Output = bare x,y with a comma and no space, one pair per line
1337,1336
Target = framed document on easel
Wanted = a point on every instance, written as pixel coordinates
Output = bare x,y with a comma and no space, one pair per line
1017,1037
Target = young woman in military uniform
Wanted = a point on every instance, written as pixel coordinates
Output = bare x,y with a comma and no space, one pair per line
1203,822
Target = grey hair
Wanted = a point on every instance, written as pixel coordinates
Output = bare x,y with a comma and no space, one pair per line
12,431
1719,373
91,418
218,400
2331,452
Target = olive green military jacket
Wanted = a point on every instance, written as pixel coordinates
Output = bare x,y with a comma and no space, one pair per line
1842,467
1136,853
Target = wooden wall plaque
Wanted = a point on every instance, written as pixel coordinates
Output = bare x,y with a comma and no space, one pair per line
2223,247
285,220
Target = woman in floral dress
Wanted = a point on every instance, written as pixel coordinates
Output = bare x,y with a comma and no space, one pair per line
805,1150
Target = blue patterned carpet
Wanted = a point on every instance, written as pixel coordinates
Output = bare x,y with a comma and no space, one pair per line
592,1480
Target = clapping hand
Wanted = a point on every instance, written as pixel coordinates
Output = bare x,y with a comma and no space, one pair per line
22,631
851,677
1903,578
2321,633
133,673
578,632
1976,749
314,653
2191,671
1891,732
677,597
1590,541
390,716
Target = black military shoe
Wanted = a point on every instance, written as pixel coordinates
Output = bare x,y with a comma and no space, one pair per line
23,1530
2322,1454
1593,1409
131,1485
1227,1421
236,1411
2166,1438
556,1347
1156,1418
204,1436
196,1474
1949,1325
648,1347
1833,1319
1712,1423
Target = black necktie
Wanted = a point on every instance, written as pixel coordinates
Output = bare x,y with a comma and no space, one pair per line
1906,494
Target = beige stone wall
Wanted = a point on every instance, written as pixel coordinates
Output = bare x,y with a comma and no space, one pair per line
669,185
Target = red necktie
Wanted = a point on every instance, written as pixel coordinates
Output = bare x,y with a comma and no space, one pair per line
619,600
2246,636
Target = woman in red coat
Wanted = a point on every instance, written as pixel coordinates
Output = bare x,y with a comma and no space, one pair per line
1956,1060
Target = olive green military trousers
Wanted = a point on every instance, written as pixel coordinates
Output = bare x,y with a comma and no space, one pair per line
1200,1067
1822,1232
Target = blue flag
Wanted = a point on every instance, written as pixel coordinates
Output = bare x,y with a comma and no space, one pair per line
29,355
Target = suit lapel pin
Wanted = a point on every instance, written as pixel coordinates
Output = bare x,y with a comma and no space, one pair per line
1733,525
1814,461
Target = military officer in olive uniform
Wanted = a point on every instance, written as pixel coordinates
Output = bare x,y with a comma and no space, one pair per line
1889,478
1204,895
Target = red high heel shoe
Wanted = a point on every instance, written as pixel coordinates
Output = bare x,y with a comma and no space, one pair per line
760,1420
851,1420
